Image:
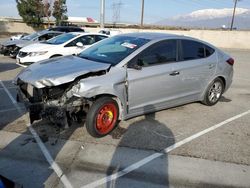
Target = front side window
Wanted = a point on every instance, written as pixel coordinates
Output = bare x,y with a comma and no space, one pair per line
192,50
113,50
85,40
159,53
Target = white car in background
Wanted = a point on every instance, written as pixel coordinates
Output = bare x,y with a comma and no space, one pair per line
17,37
62,45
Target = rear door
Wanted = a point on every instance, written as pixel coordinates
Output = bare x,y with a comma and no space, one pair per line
196,66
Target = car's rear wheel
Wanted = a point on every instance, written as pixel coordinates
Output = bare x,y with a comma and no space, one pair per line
214,92
102,117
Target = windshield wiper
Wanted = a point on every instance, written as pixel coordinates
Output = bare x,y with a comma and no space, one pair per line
84,57
94,59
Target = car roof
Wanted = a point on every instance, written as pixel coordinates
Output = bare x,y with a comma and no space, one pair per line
161,36
66,27
157,36
46,31
82,34
149,35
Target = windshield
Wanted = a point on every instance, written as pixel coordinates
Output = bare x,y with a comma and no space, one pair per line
113,50
61,39
31,36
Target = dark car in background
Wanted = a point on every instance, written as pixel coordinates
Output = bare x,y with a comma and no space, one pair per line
66,29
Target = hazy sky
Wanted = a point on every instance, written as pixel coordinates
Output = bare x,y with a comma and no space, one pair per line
155,10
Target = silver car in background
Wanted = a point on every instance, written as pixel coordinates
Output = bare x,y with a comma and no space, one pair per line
12,47
125,76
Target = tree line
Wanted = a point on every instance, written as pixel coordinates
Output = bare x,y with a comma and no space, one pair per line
34,12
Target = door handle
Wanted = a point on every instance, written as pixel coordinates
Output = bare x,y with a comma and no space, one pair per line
174,73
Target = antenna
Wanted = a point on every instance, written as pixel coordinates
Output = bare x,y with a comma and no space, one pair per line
102,14
142,13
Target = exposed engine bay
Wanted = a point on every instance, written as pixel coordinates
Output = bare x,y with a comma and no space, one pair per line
56,103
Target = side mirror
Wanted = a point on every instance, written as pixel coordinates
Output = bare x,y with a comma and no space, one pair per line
137,67
79,44
134,66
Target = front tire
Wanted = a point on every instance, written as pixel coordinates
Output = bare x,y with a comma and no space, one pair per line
214,92
102,117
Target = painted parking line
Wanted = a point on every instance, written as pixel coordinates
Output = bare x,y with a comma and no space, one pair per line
8,88
11,109
165,151
44,150
8,93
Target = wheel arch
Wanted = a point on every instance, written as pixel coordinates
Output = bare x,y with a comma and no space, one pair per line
116,98
223,80
210,82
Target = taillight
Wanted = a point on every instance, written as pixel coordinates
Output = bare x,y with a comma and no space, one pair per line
230,61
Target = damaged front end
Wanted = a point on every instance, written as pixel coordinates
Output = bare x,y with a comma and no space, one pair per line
55,103
51,96
49,102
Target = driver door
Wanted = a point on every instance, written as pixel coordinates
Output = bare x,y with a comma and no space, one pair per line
155,83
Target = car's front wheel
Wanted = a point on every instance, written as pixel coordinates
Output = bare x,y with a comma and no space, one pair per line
214,92
102,117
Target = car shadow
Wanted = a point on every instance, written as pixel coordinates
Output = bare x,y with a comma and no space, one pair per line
144,136
8,66
224,99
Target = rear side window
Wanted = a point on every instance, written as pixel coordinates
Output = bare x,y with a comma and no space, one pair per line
100,37
192,50
208,51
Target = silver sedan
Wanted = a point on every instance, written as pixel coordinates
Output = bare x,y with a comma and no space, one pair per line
125,76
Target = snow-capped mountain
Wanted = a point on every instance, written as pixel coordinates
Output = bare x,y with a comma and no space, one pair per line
211,18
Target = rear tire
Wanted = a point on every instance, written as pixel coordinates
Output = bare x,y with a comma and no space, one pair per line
102,117
213,92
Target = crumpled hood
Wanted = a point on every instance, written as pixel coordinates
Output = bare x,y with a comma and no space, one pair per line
57,71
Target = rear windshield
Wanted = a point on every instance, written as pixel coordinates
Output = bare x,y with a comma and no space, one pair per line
61,39
113,50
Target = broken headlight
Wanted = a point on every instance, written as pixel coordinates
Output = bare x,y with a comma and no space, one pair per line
32,54
76,88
